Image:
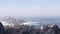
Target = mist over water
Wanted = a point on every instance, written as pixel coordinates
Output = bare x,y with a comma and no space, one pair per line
40,21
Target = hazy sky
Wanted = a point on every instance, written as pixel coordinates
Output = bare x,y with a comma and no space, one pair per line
29,7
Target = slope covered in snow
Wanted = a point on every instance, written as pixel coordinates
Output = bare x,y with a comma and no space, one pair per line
10,21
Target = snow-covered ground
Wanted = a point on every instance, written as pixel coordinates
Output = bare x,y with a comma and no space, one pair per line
9,24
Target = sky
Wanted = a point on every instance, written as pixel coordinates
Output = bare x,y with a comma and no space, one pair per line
26,8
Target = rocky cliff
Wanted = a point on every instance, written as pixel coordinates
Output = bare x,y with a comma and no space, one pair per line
25,29
1,28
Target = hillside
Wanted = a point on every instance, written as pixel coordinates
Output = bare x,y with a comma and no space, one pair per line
10,21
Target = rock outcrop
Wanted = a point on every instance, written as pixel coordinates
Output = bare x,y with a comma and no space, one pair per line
1,28
50,29
25,29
